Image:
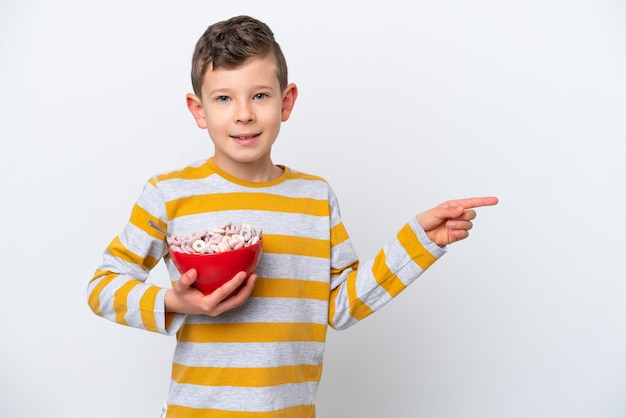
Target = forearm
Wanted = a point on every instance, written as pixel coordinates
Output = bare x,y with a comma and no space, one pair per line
364,290
127,301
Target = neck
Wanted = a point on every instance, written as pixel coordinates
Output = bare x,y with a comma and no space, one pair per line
253,172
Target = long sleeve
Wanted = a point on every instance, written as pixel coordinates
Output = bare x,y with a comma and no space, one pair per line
118,291
359,290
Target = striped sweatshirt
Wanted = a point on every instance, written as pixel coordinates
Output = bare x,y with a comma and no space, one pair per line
263,359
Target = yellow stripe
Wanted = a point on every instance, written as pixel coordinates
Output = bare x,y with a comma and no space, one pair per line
287,288
193,205
245,377
188,173
149,262
117,249
120,302
385,278
331,306
140,217
413,246
304,411
146,306
338,234
169,318
358,308
252,332
208,169
305,176
94,296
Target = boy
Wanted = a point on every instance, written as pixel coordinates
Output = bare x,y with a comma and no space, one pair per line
257,353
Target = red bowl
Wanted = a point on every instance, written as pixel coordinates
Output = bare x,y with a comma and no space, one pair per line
216,269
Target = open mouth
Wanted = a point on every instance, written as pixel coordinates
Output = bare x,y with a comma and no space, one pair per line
245,137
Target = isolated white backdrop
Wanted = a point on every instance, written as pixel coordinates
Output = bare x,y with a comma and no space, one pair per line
400,108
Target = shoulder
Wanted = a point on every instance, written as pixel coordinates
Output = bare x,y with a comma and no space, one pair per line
313,185
300,175
196,170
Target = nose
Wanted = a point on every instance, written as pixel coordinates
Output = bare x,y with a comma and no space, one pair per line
244,112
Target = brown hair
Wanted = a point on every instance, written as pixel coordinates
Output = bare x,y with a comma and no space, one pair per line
229,43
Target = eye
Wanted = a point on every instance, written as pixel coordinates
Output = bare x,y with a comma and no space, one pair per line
222,98
260,96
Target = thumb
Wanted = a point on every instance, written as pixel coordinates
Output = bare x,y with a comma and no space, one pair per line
188,278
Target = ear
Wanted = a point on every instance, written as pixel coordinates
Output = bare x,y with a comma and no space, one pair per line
194,104
289,99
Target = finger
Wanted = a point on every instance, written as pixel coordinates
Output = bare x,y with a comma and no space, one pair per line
457,225
188,278
230,286
239,296
242,293
459,234
474,202
467,215
249,284
449,211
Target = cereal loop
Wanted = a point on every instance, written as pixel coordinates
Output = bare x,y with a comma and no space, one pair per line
229,236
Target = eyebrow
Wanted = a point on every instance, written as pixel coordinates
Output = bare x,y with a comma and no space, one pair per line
224,91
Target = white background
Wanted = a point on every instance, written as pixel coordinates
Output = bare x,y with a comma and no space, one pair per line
400,109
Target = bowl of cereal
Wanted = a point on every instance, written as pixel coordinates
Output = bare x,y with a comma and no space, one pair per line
217,254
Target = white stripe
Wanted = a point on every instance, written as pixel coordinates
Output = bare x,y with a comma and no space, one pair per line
293,267
231,398
270,310
257,355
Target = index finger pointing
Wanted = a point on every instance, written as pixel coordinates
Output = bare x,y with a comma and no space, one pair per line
475,202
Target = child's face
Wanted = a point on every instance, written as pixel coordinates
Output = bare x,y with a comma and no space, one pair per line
242,109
